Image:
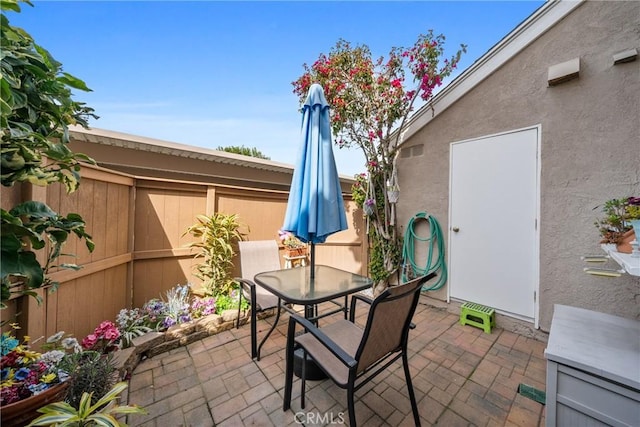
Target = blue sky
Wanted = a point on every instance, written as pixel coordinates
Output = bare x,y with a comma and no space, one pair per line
212,74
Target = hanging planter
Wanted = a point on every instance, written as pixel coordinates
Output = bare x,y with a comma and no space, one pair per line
369,207
393,195
393,189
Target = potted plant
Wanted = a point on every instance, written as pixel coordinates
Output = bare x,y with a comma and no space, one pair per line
633,215
616,226
65,371
31,379
87,412
293,246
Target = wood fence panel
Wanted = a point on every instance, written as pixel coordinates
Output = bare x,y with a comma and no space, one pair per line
81,304
163,216
154,236
261,213
85,208
153,277
147,280
99,222
112,213
138,227
115,292
166,210
63,203
101,288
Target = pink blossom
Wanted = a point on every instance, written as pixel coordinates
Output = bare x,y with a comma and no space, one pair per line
103,326
112,334
89,341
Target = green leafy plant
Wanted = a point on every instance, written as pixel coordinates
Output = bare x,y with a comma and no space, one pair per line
88,413
90,372
27,228
231,301
217,236
370,107
131,324
36,110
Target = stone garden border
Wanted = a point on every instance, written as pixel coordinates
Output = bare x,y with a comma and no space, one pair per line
154,343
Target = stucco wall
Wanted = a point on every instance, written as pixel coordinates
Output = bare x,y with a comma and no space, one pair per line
590,147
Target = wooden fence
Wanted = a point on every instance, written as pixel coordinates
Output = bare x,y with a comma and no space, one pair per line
138,226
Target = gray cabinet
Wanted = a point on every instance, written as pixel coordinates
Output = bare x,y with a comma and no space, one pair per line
593,369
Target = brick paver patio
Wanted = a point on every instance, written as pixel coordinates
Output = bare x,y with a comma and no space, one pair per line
461,376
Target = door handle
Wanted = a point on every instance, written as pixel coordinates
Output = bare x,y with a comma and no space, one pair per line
455,229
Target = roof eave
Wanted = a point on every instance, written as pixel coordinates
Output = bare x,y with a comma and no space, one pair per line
524,34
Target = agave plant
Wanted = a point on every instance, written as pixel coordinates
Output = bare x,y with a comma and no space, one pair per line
101,413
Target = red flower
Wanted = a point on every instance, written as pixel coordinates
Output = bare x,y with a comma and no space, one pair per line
112,334
103,339
89,341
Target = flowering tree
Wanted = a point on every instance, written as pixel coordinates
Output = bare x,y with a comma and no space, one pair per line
370,106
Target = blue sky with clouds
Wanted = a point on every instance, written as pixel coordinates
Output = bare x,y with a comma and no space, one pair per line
210,74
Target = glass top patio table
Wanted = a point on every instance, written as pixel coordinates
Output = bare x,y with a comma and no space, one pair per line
296,286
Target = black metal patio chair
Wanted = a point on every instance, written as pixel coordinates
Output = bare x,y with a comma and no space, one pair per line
350,355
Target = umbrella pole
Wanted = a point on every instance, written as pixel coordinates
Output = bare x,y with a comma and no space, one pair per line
313,260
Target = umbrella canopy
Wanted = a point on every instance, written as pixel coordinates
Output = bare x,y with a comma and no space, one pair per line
315,209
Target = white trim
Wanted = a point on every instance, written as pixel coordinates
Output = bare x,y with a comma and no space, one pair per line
536,306
524,34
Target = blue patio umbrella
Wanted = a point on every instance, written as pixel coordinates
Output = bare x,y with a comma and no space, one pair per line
315,209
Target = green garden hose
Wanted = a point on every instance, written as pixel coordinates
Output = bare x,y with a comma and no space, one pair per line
410,267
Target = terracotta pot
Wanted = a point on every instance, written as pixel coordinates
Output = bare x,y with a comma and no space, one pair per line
296,252
24,411
624,244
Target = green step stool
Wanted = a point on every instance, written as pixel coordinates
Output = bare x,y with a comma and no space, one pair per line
478,315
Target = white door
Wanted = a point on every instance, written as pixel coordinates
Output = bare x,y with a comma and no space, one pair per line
493,236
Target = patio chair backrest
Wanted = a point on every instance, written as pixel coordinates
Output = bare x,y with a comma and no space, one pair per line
387,326
258,256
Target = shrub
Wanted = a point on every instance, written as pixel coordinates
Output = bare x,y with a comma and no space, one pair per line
91,372
218,234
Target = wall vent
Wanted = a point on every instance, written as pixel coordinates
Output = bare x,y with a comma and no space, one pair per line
413,151
628,55
564,72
